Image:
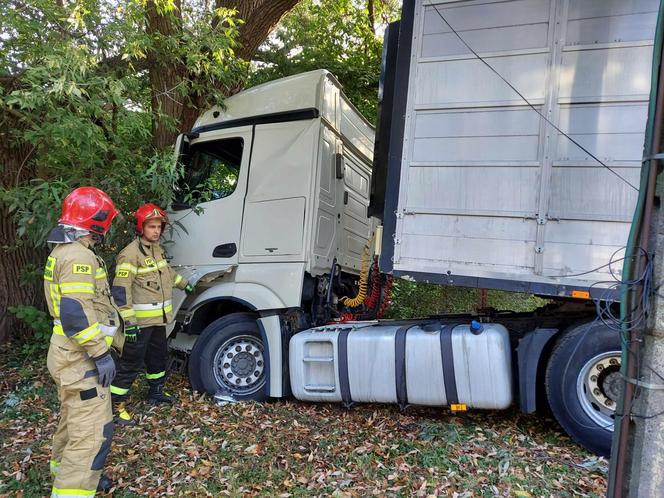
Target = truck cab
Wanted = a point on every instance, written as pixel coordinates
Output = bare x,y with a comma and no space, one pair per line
273,201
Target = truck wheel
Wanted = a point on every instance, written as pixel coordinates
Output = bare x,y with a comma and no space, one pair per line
583,383
229,358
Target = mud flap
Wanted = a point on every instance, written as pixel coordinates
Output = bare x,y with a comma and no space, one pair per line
271,334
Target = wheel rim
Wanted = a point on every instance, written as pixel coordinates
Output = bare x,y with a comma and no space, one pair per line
239,365
598,388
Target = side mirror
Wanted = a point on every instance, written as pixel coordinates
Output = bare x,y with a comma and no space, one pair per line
182,145
340,165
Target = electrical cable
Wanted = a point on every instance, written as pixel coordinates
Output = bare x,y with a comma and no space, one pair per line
386,299
528,102
605,314
567,275
371,301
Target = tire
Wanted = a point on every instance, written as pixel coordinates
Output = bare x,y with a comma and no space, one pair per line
583,384
228,358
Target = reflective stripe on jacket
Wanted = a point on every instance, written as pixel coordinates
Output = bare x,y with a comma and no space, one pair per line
79,299
143,284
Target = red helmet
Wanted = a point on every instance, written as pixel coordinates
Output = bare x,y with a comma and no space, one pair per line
149,212
88,208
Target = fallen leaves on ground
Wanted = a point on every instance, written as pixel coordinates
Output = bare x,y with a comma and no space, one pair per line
290,448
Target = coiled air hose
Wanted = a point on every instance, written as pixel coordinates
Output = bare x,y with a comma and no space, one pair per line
354,302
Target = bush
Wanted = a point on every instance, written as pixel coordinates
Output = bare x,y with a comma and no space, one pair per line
418,300
40,324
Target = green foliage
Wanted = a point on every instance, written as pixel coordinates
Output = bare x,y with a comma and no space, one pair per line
32,207
412,299
40,324
80,101
513,301
222,181
337,35
203,48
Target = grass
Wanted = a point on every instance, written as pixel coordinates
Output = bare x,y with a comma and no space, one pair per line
289,448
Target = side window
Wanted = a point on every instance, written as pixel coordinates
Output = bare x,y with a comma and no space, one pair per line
211,170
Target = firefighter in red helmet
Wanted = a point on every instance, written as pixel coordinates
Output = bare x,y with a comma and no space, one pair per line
86,324
143,288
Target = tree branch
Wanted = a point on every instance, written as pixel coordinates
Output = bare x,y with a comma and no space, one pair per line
260,17
371,15
116,63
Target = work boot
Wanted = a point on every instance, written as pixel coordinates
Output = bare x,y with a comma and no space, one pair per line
157,395
122,416
105,484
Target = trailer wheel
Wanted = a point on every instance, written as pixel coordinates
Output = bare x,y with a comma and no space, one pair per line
229,358
583,384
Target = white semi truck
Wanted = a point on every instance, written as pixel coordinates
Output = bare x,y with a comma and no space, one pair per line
467,185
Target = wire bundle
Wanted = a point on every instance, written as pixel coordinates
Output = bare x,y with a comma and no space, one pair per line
605,300
629,327
387,296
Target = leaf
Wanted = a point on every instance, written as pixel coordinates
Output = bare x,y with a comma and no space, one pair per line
503,466
254,449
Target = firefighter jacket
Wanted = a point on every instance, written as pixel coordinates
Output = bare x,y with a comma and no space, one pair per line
143,284
79,299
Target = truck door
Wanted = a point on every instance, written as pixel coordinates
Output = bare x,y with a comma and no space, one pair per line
206,216
356,225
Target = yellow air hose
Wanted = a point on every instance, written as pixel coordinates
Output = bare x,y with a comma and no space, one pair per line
364,279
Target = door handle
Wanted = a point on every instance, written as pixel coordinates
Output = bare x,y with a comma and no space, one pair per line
346,197
225,250
339,165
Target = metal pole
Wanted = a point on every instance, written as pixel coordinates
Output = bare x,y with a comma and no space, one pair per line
618,484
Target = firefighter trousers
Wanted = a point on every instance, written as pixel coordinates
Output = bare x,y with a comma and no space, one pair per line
151,348
83,438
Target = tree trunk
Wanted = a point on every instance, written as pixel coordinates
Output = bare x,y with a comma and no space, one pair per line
371,15
172,111
15,259
166,75
13,262
260,17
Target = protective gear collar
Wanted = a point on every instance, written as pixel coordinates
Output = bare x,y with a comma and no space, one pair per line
65,234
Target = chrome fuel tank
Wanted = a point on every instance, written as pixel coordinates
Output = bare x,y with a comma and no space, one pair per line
419,363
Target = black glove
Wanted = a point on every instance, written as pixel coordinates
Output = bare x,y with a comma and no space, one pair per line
131,333
189,289
105,368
